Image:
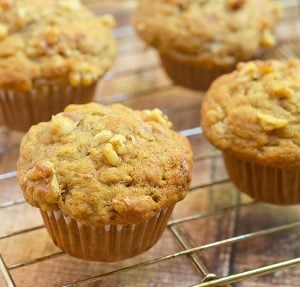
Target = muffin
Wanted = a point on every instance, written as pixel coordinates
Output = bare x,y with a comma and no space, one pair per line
252,115
52,53
199,40
106,178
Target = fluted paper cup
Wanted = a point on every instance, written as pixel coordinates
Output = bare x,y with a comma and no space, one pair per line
20,110
264,183
191,76
108,243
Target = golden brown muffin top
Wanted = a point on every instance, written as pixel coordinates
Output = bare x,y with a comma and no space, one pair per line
52,39
254,113
105,164
219,32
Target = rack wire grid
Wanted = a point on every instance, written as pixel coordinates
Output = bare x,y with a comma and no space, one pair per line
217,236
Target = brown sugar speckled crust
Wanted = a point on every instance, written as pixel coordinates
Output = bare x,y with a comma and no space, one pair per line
207,33
253,113
52,39
105,164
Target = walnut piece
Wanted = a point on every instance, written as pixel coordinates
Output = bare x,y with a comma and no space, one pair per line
111,155
41,186
118,142
249,70
113,149
101,138
270,123
83,74
62,124
157,115
280,90
266,69
132,205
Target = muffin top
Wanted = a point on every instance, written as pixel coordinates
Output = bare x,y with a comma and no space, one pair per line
254,113
105,164
52,40
219,32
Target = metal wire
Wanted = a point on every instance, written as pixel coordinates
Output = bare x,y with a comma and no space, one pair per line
251,273
194,254
6,274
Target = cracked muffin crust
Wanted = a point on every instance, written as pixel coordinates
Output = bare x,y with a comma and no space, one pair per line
105,164
53,40
207,33
253,113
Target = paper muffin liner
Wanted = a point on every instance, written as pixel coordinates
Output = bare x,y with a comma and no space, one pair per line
264,183
20,110
191,76
108,243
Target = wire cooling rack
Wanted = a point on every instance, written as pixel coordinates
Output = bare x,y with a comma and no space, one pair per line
216,237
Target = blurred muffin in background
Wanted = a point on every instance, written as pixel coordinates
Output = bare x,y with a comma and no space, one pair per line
198,40
52,53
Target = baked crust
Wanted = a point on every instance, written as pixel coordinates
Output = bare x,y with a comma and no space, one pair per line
207,33
253,113
52,40
105,164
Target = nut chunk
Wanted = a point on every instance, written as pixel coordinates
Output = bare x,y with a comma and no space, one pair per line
62,124
156,115
101,138
270,123
41,186
118,142
111,155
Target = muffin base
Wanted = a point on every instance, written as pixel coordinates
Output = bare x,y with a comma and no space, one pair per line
191,76
21,110
108,243
264,183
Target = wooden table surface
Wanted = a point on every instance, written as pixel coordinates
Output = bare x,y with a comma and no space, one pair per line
138,81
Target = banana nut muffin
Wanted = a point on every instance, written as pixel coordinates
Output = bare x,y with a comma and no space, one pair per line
106,166
198,39
54,48
252,115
